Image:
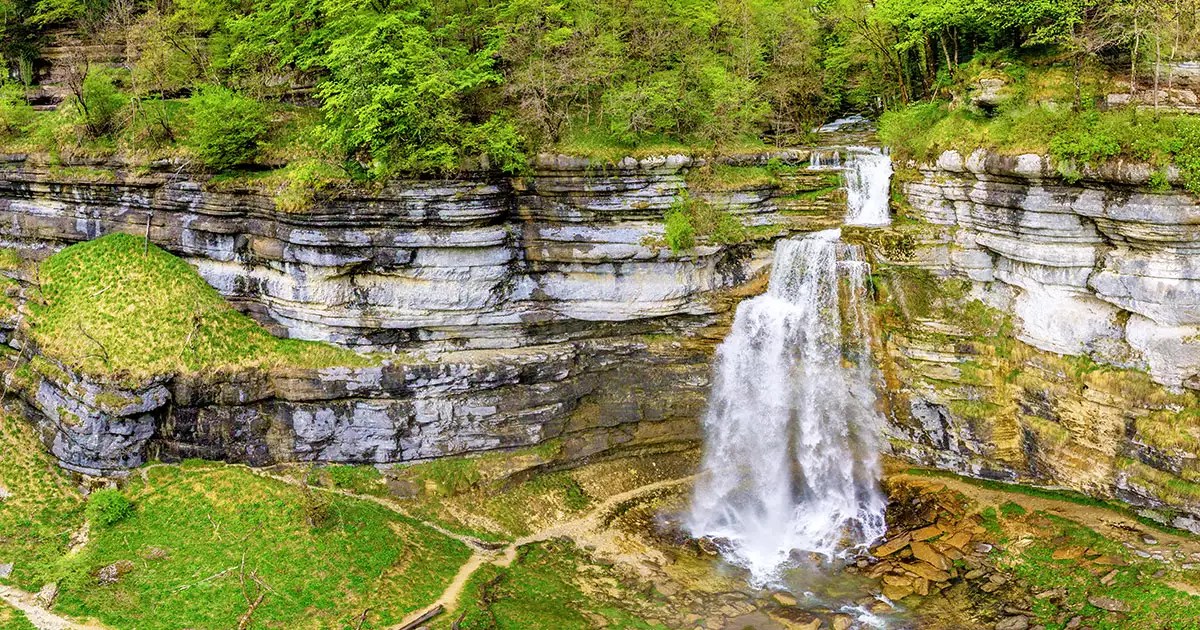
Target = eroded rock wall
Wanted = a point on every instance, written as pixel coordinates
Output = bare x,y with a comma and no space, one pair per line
509,311
1045,331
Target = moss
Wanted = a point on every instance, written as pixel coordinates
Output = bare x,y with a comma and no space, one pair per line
115,308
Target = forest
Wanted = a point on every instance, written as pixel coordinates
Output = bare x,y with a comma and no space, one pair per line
376,89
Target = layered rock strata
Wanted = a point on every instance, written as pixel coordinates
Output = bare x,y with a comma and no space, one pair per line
508,311
1097,283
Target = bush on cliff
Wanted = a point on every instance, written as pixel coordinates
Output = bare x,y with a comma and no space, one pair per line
117,308
227,129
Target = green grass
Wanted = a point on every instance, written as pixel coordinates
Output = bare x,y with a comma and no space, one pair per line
192,530
13,619
1152,604
37,521
542,591
112,308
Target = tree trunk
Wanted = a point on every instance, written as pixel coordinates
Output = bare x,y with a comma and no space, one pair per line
1133,57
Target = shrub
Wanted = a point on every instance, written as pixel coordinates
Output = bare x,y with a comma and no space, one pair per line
227,129
99,103
106,508
15,112
680,234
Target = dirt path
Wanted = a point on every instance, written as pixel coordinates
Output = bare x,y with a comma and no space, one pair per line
41,618
581,530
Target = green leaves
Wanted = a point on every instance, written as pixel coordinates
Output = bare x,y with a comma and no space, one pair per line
227,129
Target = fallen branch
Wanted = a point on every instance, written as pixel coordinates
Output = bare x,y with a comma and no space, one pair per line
429,614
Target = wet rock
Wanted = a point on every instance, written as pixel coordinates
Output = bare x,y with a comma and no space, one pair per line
1109,604
982,547
6,570
841,622
784,599
896,592
1019,622
1149,540
974,574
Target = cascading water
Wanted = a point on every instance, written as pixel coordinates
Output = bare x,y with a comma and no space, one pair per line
868,183
792,428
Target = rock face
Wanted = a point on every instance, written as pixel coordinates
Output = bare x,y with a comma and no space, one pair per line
521,310
1099,281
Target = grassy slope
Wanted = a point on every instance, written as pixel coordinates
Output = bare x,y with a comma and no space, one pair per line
193,524
37,521
111,310
544,589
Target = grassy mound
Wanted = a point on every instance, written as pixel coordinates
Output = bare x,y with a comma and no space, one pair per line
42,511
197,534
113,308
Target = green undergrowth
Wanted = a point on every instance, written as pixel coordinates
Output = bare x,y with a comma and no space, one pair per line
44,509
1037,116
1151,602
13,619
115,308
198,535
1055,494
551,586
691,220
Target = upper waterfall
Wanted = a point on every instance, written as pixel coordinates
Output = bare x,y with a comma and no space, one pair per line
792,428
868,186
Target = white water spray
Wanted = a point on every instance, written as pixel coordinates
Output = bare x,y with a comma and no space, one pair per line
792,429
868,184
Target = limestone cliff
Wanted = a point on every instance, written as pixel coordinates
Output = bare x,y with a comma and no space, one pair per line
508,311
1098,283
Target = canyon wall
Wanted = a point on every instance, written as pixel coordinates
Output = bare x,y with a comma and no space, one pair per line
1046,331
506,311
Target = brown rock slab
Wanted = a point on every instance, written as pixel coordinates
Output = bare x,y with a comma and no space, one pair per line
922,551
1110,561
1109,604
959,541
898,580
921,586
894,592
1067,553
927,571
893,545
926,533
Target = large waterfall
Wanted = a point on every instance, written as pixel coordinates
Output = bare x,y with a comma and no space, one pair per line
792,428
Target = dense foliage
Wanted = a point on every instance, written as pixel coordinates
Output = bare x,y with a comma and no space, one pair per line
406,86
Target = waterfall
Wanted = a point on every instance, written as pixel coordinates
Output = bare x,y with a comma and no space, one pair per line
868,184
824,160
791,442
